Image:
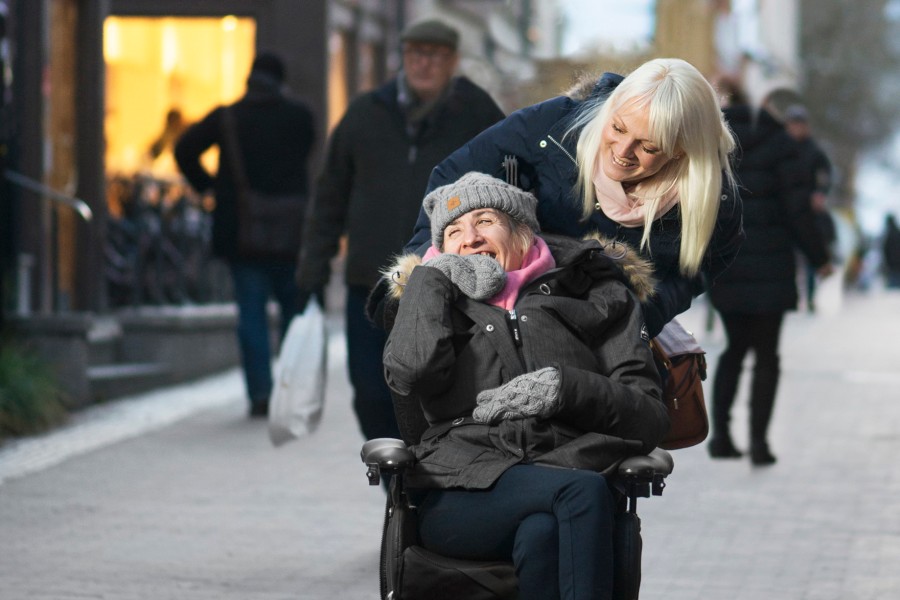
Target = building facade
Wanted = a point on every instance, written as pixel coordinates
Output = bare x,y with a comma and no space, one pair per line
94,92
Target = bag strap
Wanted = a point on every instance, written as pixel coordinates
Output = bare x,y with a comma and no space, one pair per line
229,130
660,355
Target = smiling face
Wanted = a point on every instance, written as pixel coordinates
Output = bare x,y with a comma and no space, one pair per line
485,231
628,153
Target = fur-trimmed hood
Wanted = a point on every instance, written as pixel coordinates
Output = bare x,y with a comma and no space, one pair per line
591,85
637,271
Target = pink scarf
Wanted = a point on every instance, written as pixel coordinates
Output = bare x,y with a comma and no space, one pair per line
626,209
537,261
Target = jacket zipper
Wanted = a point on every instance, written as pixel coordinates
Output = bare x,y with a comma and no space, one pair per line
512,321
561,147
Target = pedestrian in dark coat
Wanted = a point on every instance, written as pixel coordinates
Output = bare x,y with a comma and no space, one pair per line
813,160
760,287
523,353
371,187
682,212
891,251
275,135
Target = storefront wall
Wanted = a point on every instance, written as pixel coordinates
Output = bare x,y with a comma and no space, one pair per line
61,138
333,50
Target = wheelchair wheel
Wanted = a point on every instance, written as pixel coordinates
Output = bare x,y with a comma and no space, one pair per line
399,533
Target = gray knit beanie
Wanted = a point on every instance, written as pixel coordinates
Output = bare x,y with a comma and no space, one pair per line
477,190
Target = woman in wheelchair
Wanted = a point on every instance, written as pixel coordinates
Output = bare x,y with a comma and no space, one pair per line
528,358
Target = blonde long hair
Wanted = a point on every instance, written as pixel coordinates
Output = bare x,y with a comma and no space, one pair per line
684,118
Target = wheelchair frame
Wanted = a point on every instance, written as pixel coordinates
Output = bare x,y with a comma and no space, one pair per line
636,477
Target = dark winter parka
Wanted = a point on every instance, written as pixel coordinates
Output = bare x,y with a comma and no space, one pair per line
546,167
581,317
778,219
375,174
276,136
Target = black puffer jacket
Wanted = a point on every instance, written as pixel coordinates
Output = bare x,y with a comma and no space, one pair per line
546,167
778,219
375,175
581,317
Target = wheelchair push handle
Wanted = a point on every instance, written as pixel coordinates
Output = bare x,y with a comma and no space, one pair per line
385,455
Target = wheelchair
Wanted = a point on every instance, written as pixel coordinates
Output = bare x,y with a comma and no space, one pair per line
408,571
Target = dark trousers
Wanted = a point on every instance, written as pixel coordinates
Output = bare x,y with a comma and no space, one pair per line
556,525
254,284
365,346
761,334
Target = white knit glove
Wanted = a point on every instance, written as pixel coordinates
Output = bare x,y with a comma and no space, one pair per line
477,276
534,394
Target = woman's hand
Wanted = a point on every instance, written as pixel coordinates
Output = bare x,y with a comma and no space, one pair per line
534,394
478,277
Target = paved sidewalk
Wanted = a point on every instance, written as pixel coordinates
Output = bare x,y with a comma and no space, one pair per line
177,495
824,522
192,502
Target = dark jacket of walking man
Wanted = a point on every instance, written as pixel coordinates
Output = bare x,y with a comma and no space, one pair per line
274,137
376,170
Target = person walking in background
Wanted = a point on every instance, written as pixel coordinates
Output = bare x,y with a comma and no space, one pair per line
275,136
753,295
891,250
814,160
371,187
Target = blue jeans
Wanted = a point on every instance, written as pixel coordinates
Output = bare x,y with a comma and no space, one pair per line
556,525
372,400
254,284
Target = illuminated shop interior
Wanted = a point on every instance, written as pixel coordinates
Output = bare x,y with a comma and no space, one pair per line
158,69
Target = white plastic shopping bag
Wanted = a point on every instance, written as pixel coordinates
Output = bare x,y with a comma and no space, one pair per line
830,293
298,394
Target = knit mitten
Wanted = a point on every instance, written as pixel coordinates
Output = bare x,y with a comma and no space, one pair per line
477,276
534,394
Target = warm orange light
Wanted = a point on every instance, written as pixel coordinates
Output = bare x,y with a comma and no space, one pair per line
154,65
112,43
169,48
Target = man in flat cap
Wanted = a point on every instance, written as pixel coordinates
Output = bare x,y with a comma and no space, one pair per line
378,162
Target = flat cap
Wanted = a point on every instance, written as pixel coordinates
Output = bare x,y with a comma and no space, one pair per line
431,31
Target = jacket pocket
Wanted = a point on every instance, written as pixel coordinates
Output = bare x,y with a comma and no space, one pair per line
453,446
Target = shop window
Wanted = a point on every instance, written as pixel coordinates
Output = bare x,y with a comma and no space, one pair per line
162,74
338,85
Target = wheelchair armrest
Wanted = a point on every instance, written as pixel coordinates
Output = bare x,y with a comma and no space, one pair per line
658,461
385,455
644,475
